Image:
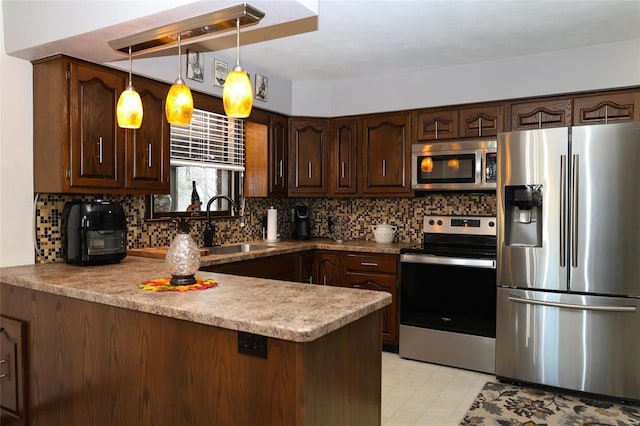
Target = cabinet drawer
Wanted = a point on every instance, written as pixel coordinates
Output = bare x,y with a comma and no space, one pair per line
371,263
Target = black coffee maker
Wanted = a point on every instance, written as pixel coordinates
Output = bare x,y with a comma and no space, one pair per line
301,224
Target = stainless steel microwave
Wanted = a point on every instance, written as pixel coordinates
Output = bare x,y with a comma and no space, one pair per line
454,166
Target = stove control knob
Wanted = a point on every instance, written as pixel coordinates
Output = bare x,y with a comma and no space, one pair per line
439,222
431,222
492,224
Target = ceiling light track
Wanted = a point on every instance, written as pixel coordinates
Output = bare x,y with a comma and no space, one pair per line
221,20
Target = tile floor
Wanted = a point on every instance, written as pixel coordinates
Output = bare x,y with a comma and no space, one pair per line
418,393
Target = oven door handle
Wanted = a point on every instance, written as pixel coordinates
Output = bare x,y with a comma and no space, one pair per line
452,261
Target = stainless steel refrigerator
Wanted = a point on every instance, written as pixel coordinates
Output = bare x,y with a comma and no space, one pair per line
568,266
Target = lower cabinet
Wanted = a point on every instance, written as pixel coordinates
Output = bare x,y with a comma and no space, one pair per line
285,267
12,372
327,268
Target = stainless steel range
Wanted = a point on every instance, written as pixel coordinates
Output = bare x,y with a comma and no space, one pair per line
448,293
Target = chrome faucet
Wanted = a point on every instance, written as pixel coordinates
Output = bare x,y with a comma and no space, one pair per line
209,228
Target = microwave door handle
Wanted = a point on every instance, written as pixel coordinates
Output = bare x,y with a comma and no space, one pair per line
563,210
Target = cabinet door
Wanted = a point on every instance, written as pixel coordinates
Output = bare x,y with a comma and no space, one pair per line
13,371
97,143
306,267
379,282
327,269
147,155
435,125
343,156
540,115
309,152
606,108
278,156
385,154
481,122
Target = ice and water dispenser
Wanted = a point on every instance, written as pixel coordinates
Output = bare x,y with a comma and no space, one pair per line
523,216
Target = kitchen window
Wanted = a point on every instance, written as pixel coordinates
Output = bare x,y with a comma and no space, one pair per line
209,152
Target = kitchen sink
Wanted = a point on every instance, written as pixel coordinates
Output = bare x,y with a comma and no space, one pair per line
237,248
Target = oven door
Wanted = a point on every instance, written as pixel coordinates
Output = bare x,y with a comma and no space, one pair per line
449,294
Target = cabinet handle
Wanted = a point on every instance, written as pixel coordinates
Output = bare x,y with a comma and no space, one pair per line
539,119
342,170
2,361
100,150
149,162
384,168
375,265
479,126
281,167
324,280
606,114
310,279
436,129
310,170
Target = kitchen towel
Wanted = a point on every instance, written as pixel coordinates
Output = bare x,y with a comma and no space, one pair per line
272,224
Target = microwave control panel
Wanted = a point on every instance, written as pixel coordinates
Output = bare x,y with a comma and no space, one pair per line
491,170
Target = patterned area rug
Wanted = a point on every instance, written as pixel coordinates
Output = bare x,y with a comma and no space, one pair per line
509,405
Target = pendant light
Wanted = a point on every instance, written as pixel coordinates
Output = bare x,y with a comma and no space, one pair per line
179,103
237,95
129,110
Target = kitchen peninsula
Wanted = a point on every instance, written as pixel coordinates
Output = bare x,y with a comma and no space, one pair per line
98,350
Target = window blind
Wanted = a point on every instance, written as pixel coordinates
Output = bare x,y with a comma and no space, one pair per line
211,140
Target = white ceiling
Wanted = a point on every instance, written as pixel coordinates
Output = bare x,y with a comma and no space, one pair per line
352,38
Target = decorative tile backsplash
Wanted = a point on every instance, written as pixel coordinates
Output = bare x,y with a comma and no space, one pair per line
360,214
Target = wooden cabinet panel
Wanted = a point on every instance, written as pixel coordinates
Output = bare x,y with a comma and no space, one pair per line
343,156
13,371
542,114
147,154
385,154
606,108
482,121
379,282
256,174
434,125
278,156
327,268
280,267
309,152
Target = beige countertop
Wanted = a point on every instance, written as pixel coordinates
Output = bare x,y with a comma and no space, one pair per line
292,246
284,310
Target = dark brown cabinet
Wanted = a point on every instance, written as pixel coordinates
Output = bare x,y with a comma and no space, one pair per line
541,114
432,125
309,150
385,155
280,267
13,346
377,272
327,268
78,146
278,156
147,153
343,156
480,122
606,108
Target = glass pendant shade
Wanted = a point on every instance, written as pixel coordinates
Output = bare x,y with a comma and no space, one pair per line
179,104
237,95
129,110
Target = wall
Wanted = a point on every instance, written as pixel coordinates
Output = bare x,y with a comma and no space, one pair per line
360,214
16,159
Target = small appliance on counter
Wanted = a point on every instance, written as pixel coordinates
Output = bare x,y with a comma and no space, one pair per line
301,223
93,232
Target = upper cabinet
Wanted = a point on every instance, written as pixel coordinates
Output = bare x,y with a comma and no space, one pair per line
481,122
308,152
541,114
385,150
147,153
78,146
606,108
278,156
343,164
432,125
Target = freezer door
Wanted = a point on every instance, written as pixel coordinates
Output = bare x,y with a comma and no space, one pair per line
583,343
605,209
537,158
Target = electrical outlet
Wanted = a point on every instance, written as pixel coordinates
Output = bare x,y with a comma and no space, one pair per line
252,344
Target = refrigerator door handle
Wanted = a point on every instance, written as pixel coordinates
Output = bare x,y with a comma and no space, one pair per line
604,308
563,210
574,209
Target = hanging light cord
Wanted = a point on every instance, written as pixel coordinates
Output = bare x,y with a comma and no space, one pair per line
238,42
179,57
130,66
